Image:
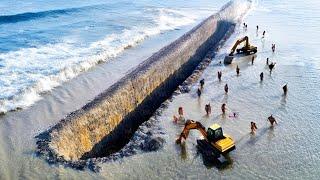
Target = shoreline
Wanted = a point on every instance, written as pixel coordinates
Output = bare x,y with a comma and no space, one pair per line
67,124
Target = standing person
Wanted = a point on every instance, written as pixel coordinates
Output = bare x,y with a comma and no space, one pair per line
219,75
238,70
208,109
252,60
199,92
180,111
257,28
244,26
264,32
261,76
201,83
223,108
285,89
180,118
226,88
267,62
272,120
253,127
273,47
271,66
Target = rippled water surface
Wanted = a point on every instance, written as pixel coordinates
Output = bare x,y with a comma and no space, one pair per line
290,150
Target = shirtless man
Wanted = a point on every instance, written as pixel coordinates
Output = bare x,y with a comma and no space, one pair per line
180,118
208,109
180,111
253,127
223,108
226,88
272,120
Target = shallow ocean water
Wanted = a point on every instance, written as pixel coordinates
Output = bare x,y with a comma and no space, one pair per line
290,150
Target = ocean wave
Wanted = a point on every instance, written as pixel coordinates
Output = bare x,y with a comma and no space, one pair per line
27,16
28,72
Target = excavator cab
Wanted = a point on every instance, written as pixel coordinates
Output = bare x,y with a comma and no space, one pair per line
214,133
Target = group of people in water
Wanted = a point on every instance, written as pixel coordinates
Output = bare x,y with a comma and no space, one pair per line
208,108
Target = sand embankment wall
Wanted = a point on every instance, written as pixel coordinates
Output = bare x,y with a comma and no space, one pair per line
80,131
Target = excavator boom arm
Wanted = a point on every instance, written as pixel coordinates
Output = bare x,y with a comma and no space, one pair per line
239,41
190,124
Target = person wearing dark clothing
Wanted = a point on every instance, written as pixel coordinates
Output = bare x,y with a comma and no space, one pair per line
271,66
199,92
223,108
219,75
272,120
208,109
285,89
238,70
201,83
261,76
226,88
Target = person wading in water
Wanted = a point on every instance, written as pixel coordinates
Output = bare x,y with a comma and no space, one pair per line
226,88
285,89
208,109
219,75
201,83
272,120
180,118
199,92
271,66
238,70
253,127
223,108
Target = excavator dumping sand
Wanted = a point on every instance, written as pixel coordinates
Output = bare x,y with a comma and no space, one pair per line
247,49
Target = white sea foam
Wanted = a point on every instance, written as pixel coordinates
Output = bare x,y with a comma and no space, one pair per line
28,72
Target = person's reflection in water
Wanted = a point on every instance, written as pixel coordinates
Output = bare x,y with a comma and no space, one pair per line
183,153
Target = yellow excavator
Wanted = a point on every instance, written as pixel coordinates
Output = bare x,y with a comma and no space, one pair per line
214,143
247,49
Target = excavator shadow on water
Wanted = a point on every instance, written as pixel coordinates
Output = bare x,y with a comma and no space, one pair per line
215,146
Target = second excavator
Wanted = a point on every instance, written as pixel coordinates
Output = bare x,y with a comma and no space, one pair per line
214,143
247,49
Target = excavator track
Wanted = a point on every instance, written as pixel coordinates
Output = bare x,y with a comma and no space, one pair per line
207,149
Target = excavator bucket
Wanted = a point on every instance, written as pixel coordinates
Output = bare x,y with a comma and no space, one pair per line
228,59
